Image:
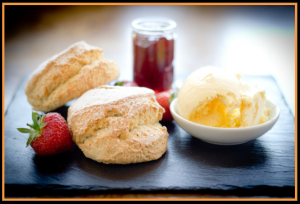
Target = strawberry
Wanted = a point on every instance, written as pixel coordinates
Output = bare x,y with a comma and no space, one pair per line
49,134
164,99
126,83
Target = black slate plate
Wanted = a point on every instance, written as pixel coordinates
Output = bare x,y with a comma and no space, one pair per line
262,167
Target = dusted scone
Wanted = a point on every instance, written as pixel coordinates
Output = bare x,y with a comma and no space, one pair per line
118,125
68,75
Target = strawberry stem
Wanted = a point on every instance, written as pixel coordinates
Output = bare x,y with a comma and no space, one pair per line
35,128
120,83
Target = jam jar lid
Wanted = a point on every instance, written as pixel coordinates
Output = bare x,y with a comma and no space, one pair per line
153,24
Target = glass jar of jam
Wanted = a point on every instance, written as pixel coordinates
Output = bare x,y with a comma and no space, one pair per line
153,52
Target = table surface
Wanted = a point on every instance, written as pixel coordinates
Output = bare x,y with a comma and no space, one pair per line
264,167
254,40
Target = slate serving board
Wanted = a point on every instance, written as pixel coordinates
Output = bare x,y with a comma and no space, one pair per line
263,167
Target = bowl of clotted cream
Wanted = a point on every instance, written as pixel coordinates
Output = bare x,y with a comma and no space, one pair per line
216,106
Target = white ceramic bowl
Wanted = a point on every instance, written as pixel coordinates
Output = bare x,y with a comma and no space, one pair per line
225,136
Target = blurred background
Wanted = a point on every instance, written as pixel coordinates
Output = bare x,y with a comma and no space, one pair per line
251,40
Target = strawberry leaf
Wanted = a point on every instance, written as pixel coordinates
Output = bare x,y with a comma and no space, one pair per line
35,128
120,83
31,137
24,130
172,97
40,121
34,119
42,125
34,115
30,125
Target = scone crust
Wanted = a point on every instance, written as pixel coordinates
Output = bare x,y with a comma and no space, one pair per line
118,125
68,75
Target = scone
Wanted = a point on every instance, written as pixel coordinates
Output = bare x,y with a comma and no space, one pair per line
68,75
118,125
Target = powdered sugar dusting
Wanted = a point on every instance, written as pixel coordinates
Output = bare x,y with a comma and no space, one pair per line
113,124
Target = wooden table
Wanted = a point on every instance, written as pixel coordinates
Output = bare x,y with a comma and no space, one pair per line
254,40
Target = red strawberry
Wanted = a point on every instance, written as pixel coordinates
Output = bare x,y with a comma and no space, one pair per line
126,83
49,134
164,99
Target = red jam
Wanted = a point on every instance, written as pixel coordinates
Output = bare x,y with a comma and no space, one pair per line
153,51
153,62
